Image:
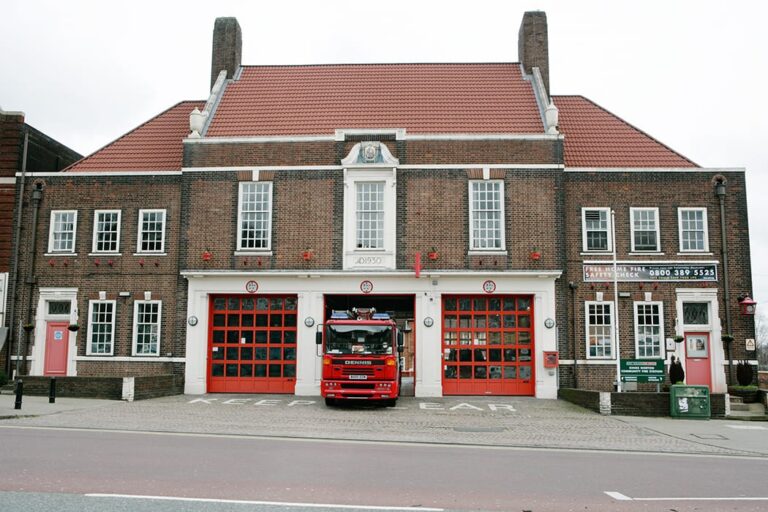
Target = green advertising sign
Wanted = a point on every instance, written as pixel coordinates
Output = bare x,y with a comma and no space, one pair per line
642,370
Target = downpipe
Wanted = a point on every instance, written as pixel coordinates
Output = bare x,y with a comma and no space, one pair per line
15,259
720,193
37,197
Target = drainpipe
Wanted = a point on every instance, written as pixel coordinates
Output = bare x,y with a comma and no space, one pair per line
31,280
15,259
720,193
573,286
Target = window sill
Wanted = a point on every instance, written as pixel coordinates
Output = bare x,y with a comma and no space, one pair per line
597,253
49,254
695,253
105,254
254,253
128,359
490,252
646,253
150,254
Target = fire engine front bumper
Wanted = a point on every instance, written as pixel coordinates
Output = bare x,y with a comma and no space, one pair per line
359,391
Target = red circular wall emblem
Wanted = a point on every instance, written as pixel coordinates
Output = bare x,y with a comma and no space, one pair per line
489,286
366,287
251,286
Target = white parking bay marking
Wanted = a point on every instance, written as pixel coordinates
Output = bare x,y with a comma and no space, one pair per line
248,502
622,497
747,427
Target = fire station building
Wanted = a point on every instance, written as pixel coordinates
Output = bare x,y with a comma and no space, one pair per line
482,212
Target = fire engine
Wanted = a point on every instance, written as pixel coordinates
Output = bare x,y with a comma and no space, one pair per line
361,357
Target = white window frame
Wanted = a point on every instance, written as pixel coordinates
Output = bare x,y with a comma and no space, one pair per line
379,240
140,231
473,242
241,192
135,345
95,242
89,344
608,230
655,211
705,228
52,229
662,346
587,325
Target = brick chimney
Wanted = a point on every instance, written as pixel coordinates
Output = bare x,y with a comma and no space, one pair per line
227,47
532,44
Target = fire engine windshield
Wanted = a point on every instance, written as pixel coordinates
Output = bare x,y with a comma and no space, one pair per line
359,339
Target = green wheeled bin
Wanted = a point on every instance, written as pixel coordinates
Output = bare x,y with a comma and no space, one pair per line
689,402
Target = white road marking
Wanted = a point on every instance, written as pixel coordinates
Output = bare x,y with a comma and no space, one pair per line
249,502
747,427
621,497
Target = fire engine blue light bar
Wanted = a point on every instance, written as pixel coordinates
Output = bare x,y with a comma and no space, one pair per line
380,316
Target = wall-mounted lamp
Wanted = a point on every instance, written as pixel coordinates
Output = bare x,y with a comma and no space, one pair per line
747,305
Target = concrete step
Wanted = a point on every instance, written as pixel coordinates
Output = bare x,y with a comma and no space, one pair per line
747,412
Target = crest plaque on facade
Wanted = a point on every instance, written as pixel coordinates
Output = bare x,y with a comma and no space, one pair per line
370,152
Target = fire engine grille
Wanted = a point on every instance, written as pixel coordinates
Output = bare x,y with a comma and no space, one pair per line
357,371
356,385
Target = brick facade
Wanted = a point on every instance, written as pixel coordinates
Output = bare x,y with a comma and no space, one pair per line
312,230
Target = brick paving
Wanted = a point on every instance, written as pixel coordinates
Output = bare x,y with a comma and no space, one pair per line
482,421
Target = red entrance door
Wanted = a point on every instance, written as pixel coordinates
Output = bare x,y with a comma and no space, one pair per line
252,344
56,348
488,345
697,359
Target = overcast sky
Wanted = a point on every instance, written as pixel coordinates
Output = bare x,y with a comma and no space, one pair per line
690,73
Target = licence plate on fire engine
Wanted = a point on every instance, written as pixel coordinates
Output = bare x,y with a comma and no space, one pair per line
358,377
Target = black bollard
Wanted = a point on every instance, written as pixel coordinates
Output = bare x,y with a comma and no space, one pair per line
52,391
19,391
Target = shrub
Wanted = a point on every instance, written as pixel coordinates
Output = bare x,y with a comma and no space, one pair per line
3,378
744,373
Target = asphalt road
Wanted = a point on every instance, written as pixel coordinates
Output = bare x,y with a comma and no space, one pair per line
47,466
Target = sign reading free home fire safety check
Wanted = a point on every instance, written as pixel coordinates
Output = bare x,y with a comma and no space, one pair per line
651,272
639,370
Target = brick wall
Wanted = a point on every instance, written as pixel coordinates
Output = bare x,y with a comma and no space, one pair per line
635,404
110,388
667,191
543,211
587,399
126,272
11,147
413,152
157,386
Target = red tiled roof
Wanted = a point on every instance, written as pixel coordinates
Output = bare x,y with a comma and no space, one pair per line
422,98
154,146
596,138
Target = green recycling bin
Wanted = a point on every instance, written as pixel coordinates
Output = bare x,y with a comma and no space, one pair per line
689,402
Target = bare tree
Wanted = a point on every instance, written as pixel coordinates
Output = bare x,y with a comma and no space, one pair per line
761,338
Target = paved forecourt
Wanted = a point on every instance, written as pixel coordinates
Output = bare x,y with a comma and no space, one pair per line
493,421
